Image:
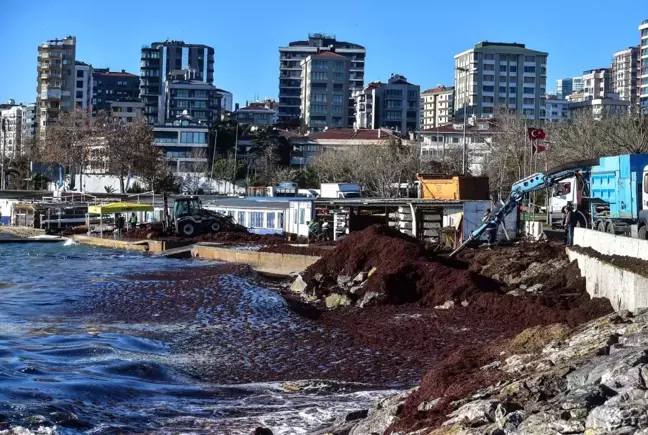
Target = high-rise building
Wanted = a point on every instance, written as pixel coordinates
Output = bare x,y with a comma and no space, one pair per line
56,80
11,129
29,122
324,91
290,59
624,75
577,84
437,106
643,72
227,100
83,85
127,109
163,58
394,105
597,83
185,95
564,87
500,75
109,86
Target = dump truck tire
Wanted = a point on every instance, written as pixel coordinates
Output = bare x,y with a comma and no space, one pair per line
187,229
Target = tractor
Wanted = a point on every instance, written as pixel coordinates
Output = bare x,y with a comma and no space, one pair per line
190,219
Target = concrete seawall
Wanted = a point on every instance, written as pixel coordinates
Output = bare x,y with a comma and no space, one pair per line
626,290
112,243
268,262
21,231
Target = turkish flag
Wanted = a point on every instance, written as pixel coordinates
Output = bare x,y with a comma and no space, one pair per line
540,147
536,133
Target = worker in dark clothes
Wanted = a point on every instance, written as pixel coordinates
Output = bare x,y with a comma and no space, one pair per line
491,229
570,223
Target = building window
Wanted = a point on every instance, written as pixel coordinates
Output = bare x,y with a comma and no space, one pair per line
502,68
302,216
489,78
529,69
338,76
512,90
129,109
241,218
256,219
318,98
271,219
79,94
80,74
193,137
339,65
489,67
319,75
502,89
528,112
337,99
529,101
487,110
529,90
511,100
513,68
529,58
489,56
488,99
489,88
337,109
79,84
320,64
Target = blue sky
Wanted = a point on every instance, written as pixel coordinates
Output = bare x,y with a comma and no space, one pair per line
415,38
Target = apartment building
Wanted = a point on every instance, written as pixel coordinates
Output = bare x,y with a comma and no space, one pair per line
109,86
290,80
56,80
556,109
11,129
597,83
185,144
598,108
643,71
497,75
28,122
394,105
256,114
184,94
83,85
127,109
162,58
227,101
324,95
625,79
437,106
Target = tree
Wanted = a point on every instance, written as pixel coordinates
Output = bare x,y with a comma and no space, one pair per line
129,149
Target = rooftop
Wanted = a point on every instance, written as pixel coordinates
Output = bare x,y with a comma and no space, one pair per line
329,53
255,107
450,128
354,134
438,89
107,72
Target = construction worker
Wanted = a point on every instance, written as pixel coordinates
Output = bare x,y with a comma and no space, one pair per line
569,223
133,221
491,229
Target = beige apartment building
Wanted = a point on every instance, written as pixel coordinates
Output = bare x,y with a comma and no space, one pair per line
437,106
56,80
624,75
324,91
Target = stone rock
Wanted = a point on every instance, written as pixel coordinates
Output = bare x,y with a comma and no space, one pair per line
568,426
428,405
356,415
370,299
510,422
319,277
605,418
523,287
358,289
516,292
623,369
298,285
381,415
475,413
628,395
587,396
343,280
538,424
335,301
465,303
360,277
535,288
446,305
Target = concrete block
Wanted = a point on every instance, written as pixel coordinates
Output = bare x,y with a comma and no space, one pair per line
610,244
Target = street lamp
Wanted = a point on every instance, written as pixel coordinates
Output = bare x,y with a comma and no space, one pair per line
465,71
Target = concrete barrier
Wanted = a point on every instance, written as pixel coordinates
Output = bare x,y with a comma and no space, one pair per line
269,262
624,289
21,231
111,243
609,244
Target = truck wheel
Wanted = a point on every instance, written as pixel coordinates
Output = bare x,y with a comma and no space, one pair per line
600,226
581,220
641,234
215,226
609,228
187,229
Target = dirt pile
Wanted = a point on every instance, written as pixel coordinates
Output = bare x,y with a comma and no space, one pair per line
149,231
380,265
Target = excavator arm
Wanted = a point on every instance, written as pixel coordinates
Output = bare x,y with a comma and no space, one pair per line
529,184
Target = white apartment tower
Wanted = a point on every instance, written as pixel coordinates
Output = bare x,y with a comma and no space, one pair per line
83,86
495,75
437,107
643,71
290,59
597,83
324,91
56,80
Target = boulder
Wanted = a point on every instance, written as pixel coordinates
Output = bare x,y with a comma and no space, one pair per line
335,301
446,305
623,369
356,415
298,285
477,413
262,431
359,289
538,424
587,396
360,277
535,288
343,280
606,418
510,422
428,405
381,415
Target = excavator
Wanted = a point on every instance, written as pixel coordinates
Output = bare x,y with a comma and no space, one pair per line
532,183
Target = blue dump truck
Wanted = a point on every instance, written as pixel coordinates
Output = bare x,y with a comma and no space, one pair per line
618,195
